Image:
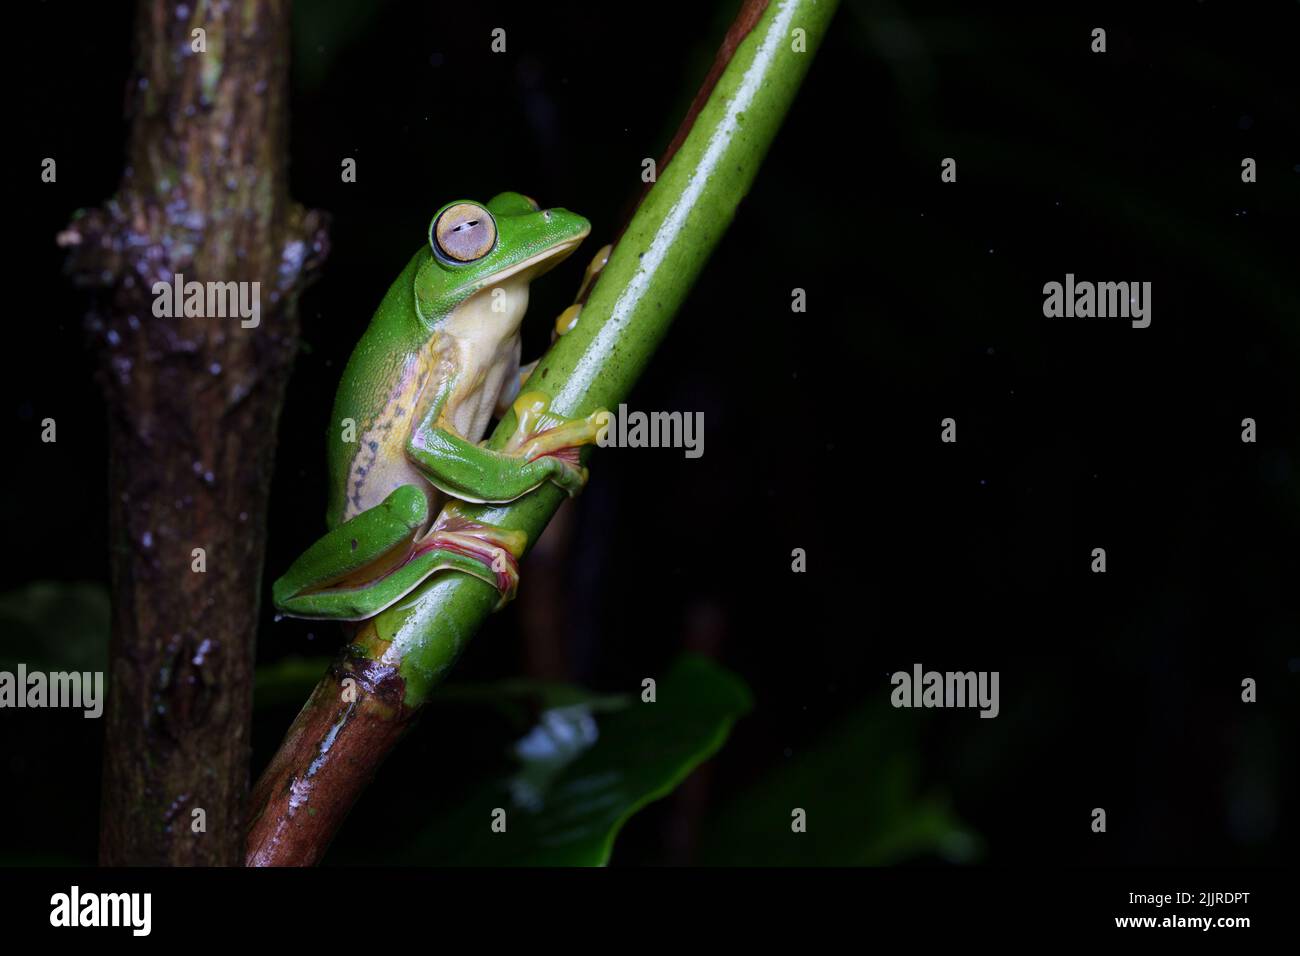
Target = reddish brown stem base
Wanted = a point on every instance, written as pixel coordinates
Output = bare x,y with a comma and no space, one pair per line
354,717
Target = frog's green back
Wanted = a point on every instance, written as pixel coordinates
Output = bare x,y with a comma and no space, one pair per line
381,367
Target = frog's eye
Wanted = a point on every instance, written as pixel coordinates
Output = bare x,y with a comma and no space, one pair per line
464,232
533,202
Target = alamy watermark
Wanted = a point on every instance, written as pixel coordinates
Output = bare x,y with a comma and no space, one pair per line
74,689
946,689
209,300
626,429
75,908
1100,300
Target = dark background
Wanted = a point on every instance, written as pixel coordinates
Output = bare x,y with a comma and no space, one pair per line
1119,691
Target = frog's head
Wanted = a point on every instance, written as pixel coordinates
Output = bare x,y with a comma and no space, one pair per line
488,253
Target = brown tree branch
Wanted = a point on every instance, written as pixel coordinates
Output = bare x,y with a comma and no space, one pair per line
193,403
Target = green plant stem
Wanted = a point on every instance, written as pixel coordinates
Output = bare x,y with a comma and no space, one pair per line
403,653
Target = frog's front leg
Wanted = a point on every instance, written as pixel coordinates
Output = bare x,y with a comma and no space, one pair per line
544,447
374,559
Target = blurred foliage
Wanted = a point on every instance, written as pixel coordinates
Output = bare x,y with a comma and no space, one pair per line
859,788
581,764
52,625
49,759
581,768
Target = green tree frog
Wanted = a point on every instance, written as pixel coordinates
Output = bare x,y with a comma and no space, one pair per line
439,359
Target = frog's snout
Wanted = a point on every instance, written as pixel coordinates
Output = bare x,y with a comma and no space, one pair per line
577,226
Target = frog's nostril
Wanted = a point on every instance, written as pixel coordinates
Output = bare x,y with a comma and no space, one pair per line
547,215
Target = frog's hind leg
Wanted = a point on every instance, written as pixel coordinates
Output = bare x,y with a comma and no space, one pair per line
323,582
485,551
376,558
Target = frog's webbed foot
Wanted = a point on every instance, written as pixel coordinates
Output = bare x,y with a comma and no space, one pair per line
544,447
374,560
492,552
539,433
524,372
567,319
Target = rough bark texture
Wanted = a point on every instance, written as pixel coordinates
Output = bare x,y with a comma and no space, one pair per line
192,406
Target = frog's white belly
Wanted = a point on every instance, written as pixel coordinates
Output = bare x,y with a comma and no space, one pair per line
484,332
470,415
383,465
477,350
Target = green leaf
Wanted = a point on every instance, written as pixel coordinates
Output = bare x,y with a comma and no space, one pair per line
584,768
858,789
